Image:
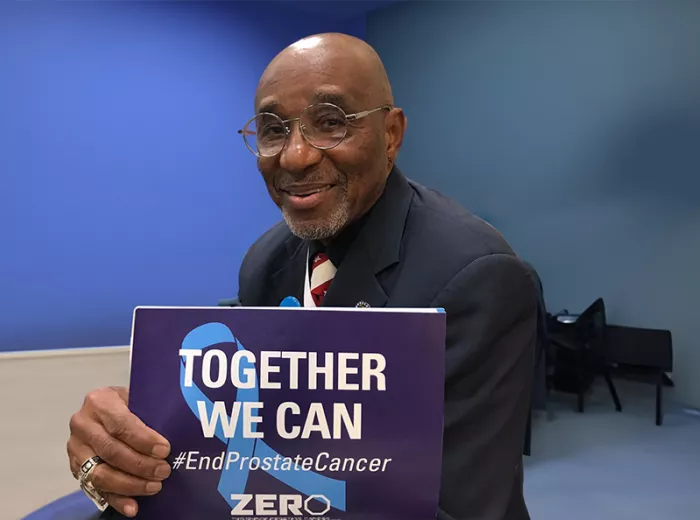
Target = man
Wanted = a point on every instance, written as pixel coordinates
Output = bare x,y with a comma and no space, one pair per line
357,232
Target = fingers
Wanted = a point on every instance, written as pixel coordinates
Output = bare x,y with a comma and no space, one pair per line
125,505
74,464
129,429
110,409
108,478
92,438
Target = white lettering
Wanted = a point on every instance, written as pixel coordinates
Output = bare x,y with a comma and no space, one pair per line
368,371
344,371
290,504
319,465
353,426
354,371
189,354
205,461
345,424
243,500
265,505
191,458
282,430
316,422
233,457
266,369
206,368
248,379
250,419
219,418
315,370
294,358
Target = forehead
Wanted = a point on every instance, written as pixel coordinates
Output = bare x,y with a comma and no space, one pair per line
291,84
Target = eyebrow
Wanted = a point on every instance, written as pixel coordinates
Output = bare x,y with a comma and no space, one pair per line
319,96
322,96
269,106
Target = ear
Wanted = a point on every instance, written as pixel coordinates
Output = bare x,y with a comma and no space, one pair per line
395,128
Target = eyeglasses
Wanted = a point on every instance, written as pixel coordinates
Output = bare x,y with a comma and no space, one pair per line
323,125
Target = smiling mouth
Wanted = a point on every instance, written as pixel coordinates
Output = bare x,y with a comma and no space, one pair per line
303,192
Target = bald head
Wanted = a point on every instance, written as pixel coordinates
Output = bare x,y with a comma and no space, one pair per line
340,58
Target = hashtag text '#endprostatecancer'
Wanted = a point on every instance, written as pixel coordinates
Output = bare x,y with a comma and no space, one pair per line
194,461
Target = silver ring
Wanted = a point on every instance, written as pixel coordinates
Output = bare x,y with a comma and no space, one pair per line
86,469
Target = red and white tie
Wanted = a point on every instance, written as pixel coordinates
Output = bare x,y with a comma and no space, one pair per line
322,273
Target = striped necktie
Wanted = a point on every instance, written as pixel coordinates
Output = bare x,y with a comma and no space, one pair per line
322,273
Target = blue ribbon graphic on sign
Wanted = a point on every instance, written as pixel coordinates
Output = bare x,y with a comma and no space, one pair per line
233,481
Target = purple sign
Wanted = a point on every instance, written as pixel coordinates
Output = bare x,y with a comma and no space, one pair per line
292,413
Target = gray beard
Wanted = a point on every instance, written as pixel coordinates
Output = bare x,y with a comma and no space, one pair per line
321,230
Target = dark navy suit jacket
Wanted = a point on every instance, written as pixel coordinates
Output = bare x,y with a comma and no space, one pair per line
417,248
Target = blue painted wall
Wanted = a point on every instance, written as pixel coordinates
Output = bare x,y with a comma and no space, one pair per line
574,127
124,182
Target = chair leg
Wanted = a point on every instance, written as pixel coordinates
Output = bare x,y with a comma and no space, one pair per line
581,373
528,434
613,391
659,399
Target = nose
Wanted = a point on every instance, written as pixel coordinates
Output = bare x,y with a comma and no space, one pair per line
297,154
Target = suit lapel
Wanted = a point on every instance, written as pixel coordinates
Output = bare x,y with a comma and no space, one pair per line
355,282
376,248
289,280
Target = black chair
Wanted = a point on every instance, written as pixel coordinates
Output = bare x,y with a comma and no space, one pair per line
581,353
642,354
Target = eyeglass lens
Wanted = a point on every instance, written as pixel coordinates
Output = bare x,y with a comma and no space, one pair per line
323,125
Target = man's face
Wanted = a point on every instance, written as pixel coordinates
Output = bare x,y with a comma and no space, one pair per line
321,191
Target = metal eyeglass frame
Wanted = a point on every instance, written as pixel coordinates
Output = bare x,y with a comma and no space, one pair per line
285,123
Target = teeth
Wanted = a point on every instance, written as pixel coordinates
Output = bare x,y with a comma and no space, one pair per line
307,193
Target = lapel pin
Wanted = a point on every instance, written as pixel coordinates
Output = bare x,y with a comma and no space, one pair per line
362,304
290,301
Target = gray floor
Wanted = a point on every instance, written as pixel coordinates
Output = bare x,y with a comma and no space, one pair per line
604,465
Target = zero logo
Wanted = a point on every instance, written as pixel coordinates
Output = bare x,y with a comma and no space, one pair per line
273,505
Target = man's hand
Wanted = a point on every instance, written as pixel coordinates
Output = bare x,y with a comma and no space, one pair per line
133,453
